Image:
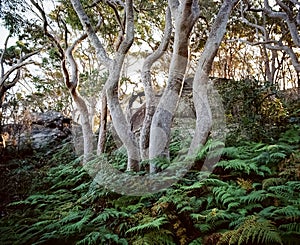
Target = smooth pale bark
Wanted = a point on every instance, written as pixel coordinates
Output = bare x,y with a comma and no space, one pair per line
203,111
120,123
72,85
185,15
149,92
71,80
114,67
103,125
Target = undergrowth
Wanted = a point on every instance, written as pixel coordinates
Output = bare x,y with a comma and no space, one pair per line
252,197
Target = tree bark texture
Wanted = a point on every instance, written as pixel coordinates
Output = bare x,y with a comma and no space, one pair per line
200,97
149,92
103,125
114,67
185,15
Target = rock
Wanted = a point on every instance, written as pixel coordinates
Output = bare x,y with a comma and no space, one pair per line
50,119
42,130
48,128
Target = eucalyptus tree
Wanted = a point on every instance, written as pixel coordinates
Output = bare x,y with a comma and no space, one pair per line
15,58
275,29
156,130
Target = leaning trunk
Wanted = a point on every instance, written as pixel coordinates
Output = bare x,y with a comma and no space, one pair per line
122,127
149,92
185,17
200,97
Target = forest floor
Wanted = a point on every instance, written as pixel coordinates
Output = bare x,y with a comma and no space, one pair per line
251,197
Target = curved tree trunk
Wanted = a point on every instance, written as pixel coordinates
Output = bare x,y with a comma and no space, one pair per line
114,67
203,111
87,132
120,123
149,92
185,15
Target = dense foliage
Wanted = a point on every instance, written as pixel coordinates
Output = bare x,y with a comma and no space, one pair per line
253,194
252,197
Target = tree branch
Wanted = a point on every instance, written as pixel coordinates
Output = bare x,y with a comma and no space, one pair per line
21,62
86,23
45,27
129,28
286,16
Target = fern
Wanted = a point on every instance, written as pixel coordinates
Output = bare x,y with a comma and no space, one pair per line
289,212
73,227
156,237
107,214
147,224
272,182
256,196
102,236
288,192
197,241
254,231
214,182
239,166
294,227
224,195
204,228
91,239
291,136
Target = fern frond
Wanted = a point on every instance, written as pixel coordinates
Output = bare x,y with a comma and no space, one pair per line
239,165
204,228
70,228
272,182
90,239
295,227
108,213
214,182
254,231
156,237
197,241
224,195
288,212
148,224
194,186
287,192
255,197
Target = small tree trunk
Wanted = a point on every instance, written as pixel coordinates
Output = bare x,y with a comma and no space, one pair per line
87,132
114,67
150,109
103,124
149,92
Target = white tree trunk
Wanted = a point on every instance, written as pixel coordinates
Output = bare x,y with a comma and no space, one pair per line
103,125
203,111
72,84
120,123
114,67
149,92
185,14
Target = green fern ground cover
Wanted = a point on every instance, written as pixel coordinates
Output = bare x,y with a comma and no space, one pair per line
252,197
